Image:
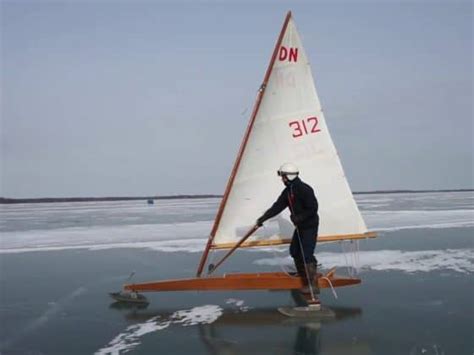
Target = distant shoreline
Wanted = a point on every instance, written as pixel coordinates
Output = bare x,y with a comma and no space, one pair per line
5,200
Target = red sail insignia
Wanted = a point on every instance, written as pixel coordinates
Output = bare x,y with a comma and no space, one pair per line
288,54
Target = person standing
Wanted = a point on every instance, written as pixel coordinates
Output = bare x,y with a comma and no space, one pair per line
299,197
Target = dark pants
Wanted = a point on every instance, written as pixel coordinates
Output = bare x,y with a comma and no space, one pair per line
305,254
308,241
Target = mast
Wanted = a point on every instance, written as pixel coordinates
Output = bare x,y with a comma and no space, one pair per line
230,182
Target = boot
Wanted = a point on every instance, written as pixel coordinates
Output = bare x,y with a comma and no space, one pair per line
313,276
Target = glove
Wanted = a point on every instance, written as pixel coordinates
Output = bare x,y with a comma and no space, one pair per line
295,219
260,222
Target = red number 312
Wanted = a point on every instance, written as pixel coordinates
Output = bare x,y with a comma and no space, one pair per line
305,126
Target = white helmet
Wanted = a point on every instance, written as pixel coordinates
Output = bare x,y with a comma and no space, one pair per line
289,170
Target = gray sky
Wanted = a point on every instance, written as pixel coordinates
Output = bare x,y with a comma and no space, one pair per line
107,98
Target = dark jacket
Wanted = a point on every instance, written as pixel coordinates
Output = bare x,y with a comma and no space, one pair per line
303,205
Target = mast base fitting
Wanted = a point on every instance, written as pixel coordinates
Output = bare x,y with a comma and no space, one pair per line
210,268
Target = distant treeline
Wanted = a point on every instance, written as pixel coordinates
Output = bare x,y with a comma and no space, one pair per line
178,197
409,191
91,199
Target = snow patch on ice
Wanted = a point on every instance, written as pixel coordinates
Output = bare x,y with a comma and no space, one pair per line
197,315
170,246
130,338
239,304
189,236
458,260
163,237
407,219
234,301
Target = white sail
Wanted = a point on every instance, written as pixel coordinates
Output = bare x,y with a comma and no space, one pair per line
289,126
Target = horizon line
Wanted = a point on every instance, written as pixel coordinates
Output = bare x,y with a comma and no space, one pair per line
7,200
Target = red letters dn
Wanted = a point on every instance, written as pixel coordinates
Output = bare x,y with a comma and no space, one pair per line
290,54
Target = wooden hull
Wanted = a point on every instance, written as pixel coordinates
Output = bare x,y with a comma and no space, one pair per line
253,281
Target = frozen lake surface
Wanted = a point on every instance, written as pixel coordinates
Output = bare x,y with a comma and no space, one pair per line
59,261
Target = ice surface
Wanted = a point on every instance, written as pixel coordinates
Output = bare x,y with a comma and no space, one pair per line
184,225
130,338
239,304
197,315
164,237
393,220
458,260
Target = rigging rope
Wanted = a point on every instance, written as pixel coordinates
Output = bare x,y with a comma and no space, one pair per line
352,262
357,254
330,284
344,252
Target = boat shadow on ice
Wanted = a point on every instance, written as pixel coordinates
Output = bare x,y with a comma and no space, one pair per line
225,333
219,337
128,306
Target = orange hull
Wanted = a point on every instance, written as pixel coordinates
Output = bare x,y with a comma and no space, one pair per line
253,281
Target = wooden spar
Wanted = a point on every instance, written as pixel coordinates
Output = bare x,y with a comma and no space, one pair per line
253,281
244,238
242,147
270,242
